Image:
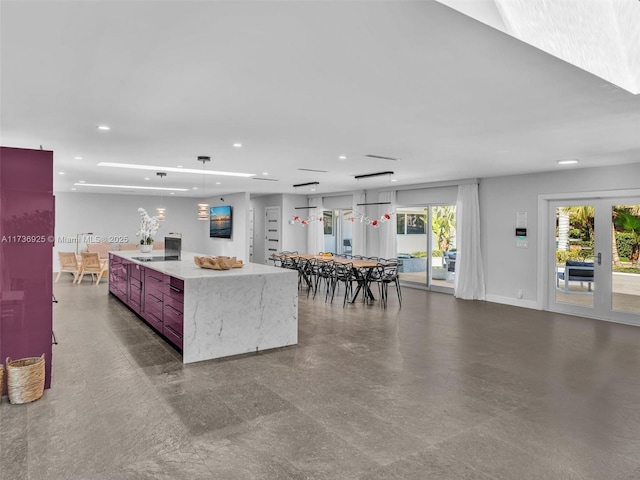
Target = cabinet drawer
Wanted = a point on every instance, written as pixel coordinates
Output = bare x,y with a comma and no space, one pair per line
154,319
173,318
152,304
176,303
176,288
152,299
155,282
173,336
135,271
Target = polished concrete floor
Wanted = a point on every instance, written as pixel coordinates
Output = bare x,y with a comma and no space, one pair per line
440,389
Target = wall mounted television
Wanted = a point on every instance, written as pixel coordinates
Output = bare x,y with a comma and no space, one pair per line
220,222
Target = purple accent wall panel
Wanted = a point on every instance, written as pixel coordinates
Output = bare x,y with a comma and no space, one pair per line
26,249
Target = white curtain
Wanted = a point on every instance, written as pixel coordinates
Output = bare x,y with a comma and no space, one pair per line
469,278
315,229
359,246
388,238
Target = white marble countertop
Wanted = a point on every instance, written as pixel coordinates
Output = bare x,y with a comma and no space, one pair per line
187,269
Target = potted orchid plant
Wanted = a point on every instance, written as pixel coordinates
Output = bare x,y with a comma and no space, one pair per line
148,228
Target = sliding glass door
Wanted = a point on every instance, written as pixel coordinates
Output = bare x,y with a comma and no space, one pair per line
338,231
426,246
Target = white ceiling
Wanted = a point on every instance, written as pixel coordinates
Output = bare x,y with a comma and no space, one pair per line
298,84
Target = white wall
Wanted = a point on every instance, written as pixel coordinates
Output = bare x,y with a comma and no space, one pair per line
117,215
238,245
508,268
292,237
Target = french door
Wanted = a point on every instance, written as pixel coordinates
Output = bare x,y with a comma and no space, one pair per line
593,267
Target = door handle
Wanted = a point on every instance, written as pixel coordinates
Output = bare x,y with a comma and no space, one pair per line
599,258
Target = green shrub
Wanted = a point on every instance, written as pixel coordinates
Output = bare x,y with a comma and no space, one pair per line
436,253
575,233
562,255
419,254
624,242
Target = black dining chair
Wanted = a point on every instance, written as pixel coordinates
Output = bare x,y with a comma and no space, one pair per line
386,274
324,273
343,273
306,274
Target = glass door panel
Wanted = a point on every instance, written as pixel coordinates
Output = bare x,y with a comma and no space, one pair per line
412,244
573,253
443,250
427,245
625,267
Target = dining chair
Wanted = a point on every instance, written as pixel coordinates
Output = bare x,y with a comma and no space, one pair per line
69,263
385,275
306,274
93,264
343,273
324,273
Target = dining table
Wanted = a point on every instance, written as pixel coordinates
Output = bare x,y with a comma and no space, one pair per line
363,269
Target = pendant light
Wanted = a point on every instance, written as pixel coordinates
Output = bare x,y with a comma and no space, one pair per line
160,210
203,208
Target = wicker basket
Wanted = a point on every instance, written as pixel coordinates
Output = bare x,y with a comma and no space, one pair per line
25,379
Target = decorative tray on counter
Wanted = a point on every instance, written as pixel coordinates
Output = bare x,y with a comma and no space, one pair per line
218,263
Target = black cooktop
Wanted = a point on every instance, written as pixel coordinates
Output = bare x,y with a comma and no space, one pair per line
157,259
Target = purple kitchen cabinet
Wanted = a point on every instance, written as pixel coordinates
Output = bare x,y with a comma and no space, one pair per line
26,249
173,312
118,278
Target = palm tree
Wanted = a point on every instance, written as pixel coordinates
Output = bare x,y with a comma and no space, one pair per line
628,222
444,226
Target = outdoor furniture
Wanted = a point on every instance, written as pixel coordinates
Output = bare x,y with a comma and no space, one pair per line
575,271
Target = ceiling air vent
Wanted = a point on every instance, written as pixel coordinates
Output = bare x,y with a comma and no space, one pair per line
265,179
381,157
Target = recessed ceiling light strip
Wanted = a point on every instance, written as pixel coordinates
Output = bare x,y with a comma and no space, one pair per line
139,187
173,169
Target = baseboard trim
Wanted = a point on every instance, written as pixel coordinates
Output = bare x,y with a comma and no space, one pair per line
516,302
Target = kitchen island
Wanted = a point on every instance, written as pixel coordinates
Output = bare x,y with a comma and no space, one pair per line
208,313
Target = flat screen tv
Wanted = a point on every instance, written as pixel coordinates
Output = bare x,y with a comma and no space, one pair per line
220,222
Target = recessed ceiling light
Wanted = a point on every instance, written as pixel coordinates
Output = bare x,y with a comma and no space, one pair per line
394,179
172,193
74,188
194,188
173,169
342,157
217,183
77,158
313,189
60,173
265,173
147,178
103,127
129,186
567,162
81,181
179,166
237,145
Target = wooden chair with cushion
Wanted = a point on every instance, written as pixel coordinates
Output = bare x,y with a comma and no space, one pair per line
69,263
93,264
